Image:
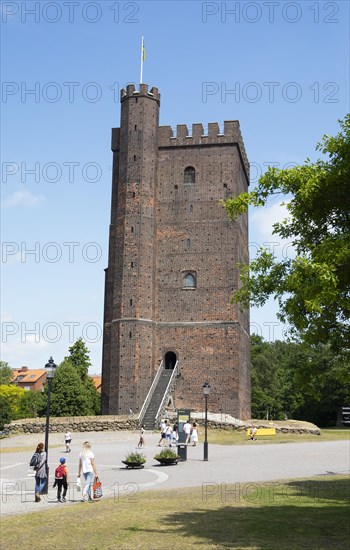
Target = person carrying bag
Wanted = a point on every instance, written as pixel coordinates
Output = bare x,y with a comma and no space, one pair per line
97,489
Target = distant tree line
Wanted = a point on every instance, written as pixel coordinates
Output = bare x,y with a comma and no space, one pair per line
289,380
298,380
73,392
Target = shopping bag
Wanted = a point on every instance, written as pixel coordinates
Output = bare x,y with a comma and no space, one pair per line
78,484
97,488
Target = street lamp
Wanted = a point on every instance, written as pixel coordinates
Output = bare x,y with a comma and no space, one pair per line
50,373
206,392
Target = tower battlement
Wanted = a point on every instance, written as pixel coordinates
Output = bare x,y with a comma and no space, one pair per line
232,135
172,262
131,91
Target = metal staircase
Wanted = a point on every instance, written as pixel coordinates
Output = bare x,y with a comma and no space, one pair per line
156,401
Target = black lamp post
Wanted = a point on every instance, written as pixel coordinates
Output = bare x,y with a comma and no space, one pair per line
206,392
50,373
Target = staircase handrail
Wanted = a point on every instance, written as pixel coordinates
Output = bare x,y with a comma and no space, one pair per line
150,393
166,393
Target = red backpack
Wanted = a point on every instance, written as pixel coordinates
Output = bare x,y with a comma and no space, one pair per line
60,472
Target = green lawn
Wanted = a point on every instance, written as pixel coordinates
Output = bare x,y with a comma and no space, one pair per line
287,515
233,437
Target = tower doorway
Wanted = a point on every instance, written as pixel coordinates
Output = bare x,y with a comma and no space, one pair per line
170,360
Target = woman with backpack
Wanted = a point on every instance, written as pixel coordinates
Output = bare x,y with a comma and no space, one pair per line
40,471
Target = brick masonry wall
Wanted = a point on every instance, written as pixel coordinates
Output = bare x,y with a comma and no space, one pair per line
162,229
129,300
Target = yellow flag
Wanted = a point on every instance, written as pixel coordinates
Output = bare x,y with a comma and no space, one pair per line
143,52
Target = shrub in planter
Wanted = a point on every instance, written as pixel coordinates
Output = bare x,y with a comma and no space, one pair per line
167,456
134,460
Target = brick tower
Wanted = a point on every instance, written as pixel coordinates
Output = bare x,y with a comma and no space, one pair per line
172,262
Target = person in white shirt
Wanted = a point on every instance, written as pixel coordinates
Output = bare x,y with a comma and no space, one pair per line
88,467
68,439
168,433
163,428
187,430
194,434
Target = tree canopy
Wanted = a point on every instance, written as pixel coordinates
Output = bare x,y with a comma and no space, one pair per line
68,396
5,410
13,395
6,373
73,392
312,288
297,380
79,357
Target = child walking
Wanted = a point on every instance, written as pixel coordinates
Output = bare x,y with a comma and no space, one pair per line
61,480
141,442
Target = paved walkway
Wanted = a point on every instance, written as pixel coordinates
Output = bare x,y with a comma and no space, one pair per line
240,465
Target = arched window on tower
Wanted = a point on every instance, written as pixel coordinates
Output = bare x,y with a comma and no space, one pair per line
190,280
190,175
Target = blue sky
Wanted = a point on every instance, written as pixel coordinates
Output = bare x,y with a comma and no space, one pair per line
280,68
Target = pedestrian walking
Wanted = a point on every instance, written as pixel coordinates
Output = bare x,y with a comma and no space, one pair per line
141,442
68,439
168,433
194,434
61,480
187,430
87,465
174,435
40,471
163,428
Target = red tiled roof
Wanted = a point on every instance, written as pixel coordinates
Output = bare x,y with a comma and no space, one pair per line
97,379
28,376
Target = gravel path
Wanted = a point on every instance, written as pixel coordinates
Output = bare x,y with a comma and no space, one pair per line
240,465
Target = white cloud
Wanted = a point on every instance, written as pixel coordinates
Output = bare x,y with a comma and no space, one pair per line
263,218
23,198
261,227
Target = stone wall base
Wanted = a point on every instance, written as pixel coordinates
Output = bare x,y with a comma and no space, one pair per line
130,422
74,424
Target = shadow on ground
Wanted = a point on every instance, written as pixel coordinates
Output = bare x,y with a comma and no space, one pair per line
296,515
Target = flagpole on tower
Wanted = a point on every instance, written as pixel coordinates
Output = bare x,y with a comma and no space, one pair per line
142,59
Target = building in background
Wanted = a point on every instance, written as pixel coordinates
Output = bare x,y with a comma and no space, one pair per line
172,264
97,379
29,379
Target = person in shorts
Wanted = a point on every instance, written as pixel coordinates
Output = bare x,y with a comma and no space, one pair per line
141,442
68,439
163,428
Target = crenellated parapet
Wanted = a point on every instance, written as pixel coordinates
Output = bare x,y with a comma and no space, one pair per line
131,91
198,137
172,264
